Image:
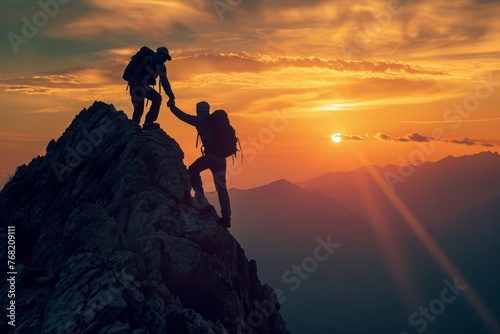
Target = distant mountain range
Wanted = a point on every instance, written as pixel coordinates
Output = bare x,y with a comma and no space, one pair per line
434,192
380,273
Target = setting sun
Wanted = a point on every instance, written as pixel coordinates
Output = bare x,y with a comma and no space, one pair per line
336,138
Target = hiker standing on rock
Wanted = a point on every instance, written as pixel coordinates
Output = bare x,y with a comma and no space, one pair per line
219,141
141,73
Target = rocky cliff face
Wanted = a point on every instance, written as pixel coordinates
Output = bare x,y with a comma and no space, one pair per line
104,243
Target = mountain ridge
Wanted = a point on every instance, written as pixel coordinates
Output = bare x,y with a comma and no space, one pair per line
106,243
434,192
392,167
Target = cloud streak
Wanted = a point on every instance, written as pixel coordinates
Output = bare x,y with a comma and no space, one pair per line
258,75
9,139
351,137
419,138
479,120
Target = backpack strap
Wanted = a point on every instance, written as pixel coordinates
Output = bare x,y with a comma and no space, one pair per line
238,144
241,150
202,148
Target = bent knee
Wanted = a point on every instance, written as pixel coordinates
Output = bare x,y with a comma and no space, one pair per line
156,99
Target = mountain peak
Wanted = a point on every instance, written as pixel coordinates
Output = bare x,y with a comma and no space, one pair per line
480,156
104,241
278,188
280,183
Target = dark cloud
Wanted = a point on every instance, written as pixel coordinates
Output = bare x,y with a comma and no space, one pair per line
351,137
387,137
384,136
416,137
486,1
465,141
472,142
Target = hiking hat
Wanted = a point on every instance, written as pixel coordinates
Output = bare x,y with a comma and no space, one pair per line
164,50
202,108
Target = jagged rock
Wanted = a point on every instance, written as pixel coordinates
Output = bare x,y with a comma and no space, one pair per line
104,245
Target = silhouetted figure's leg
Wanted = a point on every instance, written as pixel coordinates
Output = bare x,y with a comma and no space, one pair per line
201,164
155,98
138,94
218,169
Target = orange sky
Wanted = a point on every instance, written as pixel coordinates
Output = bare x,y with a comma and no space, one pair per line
401,81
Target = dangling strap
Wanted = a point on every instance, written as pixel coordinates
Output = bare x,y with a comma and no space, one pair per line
241,150
201,147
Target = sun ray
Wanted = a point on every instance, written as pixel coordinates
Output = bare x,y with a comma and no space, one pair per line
432,247
388,243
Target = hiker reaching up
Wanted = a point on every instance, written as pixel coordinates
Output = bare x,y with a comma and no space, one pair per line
219,141
141,74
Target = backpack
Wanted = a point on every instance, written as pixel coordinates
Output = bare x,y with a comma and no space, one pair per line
136,60
224,140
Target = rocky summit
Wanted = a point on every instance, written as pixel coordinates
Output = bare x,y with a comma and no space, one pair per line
100,240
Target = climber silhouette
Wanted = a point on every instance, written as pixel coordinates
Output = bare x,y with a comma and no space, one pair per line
141,73
210,160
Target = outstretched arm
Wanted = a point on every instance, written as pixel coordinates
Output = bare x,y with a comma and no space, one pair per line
190,119
165,83
166,87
